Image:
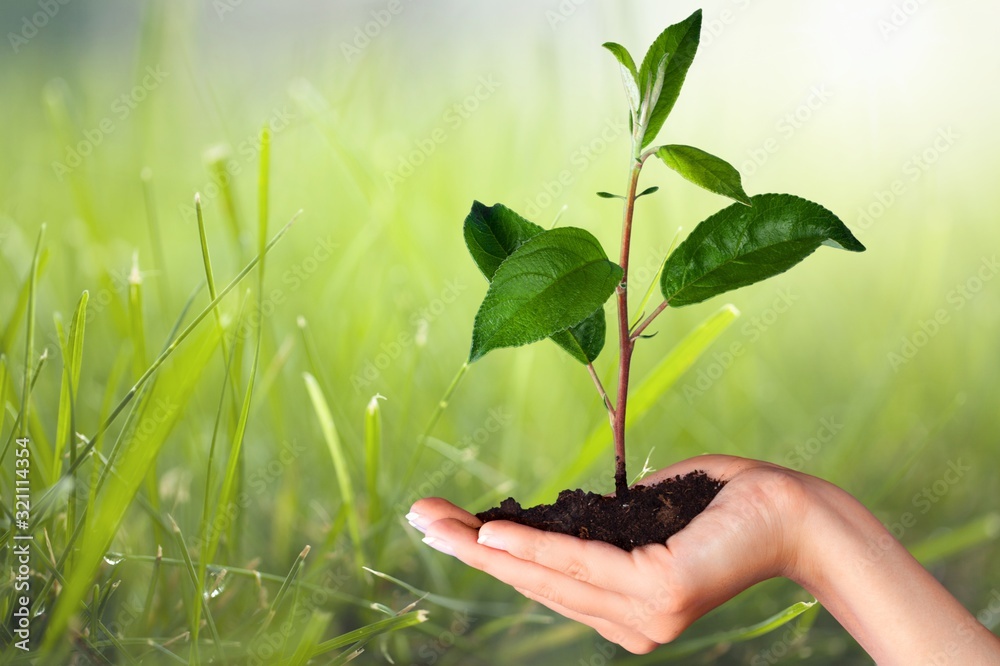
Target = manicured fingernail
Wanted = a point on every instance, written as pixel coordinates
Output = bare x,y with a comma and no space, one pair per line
439,545
416,521
492,541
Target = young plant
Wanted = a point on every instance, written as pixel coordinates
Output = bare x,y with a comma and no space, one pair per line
554,283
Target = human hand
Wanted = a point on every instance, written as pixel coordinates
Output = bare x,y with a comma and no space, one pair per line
646,597
767,521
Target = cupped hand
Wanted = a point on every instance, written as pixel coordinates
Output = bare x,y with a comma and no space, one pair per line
646,597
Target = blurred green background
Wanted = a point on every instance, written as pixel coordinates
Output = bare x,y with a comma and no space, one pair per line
874,371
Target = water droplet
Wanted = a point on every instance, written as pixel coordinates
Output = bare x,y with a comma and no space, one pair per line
114,559
217,585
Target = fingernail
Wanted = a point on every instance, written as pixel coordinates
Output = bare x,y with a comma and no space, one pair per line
439,545
416,521
492,541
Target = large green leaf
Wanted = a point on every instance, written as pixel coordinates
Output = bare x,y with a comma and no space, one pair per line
705,170
739,246
492,234
678,44
552,282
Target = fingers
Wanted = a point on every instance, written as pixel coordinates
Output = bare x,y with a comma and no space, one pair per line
614,632
455,537
426,511
594,562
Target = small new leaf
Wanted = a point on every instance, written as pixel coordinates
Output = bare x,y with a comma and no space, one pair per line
584,341
629,74
705,170
678,44
648,190
742,245
551,283
608,195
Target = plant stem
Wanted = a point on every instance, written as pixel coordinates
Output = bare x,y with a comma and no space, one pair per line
604,394
625,341
648,320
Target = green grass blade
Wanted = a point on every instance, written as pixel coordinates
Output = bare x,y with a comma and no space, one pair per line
229,481
155,238
368,632
175,386
72,353
199,599
373,455
21,306
477,607
974,533
642,399
333,442
137,325
29,342
308,646
175,343
776,621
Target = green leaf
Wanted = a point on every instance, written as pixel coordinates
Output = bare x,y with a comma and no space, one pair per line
584,341
492,234
678,44
630,77
739,246
705,170
608,195
552,282
776,621
648,190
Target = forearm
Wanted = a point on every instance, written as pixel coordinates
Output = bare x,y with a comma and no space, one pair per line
891,605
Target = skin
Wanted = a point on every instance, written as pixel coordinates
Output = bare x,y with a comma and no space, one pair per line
766,522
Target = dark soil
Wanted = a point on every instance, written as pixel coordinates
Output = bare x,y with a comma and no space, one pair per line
648,514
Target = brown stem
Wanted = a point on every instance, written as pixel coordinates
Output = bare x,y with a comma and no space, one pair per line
625,342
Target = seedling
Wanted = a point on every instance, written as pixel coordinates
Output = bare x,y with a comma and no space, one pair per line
553,284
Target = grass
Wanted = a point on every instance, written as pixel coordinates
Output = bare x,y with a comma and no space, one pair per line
195,498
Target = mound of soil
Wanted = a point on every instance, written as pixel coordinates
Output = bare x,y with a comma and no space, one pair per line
648,514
